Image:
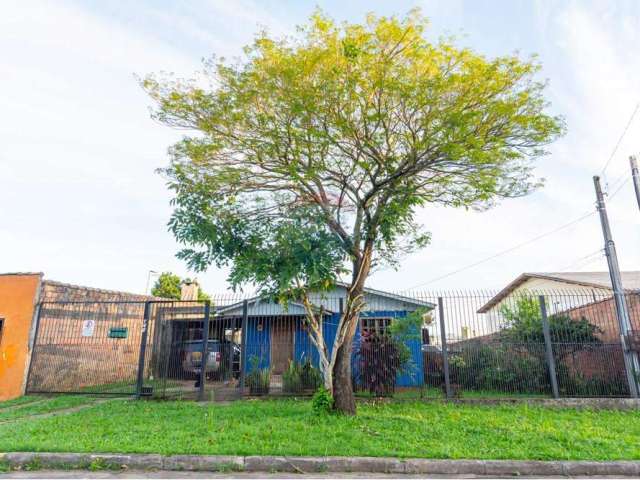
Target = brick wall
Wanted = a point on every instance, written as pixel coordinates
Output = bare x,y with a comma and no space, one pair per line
603,315
69,356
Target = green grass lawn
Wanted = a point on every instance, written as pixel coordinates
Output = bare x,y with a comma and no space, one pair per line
288,427
433,392
34,407
20,401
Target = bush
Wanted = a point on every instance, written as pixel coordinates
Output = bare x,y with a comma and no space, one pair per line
499,368
322,402
299,377
380,358
578,385
258,379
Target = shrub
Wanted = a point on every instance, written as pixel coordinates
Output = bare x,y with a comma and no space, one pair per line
299,377
380,358
500,368
322,402
258,379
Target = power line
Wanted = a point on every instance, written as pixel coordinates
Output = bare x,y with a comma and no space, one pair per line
611,185
508,250
562,227
580,262
624,132
619,188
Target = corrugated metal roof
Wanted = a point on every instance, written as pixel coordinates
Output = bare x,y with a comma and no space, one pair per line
630,280
598,280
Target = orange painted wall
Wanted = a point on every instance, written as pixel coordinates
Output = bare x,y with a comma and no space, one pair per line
17,303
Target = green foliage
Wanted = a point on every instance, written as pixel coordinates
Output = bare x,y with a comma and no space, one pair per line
404,330
382,357
406,429
258,379
317,150
409,327
515,360
24,410
300,377
99,464
33,465
524,325
168,285
379,360
613,385
322,402
498,367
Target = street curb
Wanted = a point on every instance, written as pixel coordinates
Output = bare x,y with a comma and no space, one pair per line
226,463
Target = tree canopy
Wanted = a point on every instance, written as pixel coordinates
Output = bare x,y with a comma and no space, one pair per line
524,325
169,285
309,157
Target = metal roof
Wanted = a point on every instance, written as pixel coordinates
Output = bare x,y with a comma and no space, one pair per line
596,280
394,296
370,291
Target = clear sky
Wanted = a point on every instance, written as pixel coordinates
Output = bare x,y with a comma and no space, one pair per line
80,201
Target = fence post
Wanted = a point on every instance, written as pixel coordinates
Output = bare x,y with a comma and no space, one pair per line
229,371
243,344
205,351
143,349
32,345
445,351
548,348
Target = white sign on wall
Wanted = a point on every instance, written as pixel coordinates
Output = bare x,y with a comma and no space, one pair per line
87,328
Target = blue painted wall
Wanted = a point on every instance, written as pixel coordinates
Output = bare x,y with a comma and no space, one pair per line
259,344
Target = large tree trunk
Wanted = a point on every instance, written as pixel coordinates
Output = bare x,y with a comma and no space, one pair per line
344,399
343,396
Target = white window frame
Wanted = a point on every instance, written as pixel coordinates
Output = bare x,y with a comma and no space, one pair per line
380,327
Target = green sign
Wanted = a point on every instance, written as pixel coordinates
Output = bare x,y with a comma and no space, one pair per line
118,332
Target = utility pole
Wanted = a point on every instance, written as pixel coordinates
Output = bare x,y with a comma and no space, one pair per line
636,177
630,358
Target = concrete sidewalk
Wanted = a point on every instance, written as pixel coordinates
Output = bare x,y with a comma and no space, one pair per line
33,462
55,474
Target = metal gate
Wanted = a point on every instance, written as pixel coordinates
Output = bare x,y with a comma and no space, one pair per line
185,365
115,347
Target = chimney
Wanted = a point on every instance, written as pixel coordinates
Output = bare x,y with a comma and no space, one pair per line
189,290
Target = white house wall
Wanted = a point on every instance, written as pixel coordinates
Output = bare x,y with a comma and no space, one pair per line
560,297
264,308
374,302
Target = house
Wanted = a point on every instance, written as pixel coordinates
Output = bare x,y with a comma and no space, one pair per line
25,297
277,334
576,293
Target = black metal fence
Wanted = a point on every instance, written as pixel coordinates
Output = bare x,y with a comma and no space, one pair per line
460,344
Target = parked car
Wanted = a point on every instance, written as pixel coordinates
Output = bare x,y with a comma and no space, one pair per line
217,363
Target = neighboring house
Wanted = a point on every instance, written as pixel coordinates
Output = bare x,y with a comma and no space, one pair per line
277,335
20,295
57,337
578,294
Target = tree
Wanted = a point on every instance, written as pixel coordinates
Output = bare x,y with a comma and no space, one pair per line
168,285
524,326
324,145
